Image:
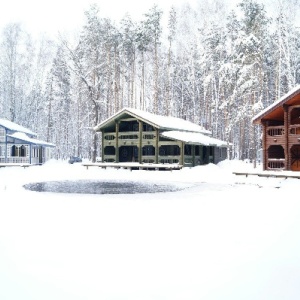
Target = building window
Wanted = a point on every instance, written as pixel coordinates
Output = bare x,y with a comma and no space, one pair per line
109,137
18,151
109,150
22,151
172,150
2,135
148,151
14,151
187,150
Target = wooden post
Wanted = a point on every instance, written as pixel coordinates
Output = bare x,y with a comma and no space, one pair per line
156,145
286,140
193,154
264,145
140,145
117,142
102,150
182,154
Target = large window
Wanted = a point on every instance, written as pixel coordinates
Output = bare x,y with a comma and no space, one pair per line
2,134
187,150
109,150
18,151
172,150
148,151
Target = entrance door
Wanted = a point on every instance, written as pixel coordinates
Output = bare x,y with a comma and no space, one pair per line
295,158
128,154
40,155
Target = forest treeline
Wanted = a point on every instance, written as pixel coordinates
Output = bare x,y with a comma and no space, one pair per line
211,65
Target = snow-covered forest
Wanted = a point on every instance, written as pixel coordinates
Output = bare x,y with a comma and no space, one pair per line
212,65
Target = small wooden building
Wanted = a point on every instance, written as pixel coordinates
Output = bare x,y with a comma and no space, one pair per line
133,135
281,132
18,145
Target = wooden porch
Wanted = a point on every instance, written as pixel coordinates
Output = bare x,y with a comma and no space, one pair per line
135,166
268,174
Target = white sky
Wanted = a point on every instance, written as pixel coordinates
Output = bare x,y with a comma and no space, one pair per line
38,16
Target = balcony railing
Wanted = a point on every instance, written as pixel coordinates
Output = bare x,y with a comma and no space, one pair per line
276,164
275,130
295,129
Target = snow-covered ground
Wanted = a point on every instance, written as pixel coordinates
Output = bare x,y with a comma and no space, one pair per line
224,237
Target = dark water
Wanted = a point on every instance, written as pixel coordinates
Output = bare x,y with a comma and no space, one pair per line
103,187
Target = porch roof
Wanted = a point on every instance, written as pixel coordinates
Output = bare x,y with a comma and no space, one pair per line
25,138
194,138
15,127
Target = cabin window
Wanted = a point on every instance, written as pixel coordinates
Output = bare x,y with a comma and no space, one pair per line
147,127
18,151
172,150
276,151
109,150
187,150
128,137
129,126
295,116
109,137
148,151
34,152
148,136
2,135
22,151
14,151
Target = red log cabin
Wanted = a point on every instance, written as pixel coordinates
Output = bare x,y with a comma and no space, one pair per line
281,132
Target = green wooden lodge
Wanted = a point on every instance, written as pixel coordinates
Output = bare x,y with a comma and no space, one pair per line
133,135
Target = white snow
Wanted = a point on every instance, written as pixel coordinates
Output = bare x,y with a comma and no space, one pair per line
194,137
23,137
227,237
15,127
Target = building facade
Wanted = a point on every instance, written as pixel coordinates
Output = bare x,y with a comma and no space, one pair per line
18,145
133,135
281,133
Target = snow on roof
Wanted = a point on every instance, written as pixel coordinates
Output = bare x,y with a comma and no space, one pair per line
23,137
276,103
194,138
162,122
15,127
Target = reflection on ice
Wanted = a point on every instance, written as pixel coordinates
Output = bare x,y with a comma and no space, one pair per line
103,187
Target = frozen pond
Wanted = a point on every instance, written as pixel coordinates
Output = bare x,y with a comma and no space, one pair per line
104,187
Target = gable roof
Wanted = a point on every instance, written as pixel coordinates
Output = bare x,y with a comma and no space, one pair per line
15,127
276,108
157,121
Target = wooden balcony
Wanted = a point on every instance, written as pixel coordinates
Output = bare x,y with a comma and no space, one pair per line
294,134
275,135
